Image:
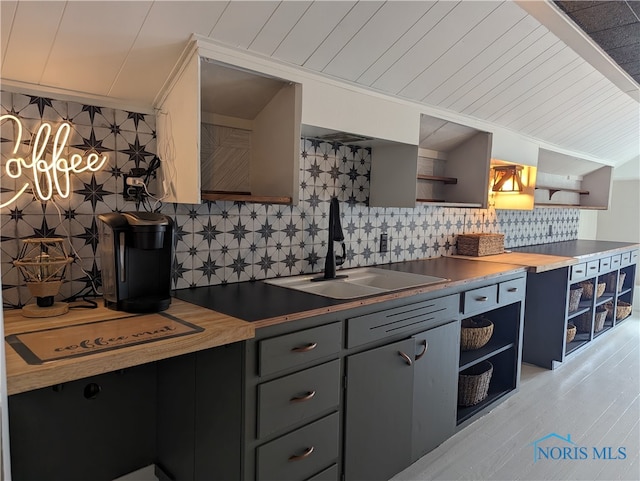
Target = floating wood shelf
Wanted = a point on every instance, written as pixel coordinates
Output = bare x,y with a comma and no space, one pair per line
574,206
437,178
244,197
553,190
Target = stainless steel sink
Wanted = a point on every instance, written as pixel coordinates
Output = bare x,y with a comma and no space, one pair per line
360,282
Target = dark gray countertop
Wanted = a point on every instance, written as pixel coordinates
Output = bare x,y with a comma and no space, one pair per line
577,248
256,301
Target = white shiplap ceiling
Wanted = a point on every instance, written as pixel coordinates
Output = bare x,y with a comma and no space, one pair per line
490,60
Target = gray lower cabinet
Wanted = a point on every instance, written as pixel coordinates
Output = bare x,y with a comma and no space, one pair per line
435,387
378,412
400,402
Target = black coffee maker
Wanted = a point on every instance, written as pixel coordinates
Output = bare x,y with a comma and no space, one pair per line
136,251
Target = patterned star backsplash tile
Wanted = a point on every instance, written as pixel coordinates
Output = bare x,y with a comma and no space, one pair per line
224,242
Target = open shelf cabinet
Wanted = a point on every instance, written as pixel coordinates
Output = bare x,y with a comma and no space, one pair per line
545,335
502,351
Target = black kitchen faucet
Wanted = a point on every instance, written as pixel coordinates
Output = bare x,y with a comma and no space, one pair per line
335,235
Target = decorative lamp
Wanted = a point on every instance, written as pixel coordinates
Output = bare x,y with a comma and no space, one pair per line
42,263
507,178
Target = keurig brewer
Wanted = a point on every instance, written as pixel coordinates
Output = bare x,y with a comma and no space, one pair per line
136,251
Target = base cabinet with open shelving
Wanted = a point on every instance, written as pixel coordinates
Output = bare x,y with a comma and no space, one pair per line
606,281
503,305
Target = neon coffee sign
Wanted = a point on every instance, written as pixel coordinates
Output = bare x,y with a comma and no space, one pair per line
49,177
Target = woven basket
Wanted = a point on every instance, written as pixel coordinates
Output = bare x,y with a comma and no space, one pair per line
571,332
598,323
583,322
623,309
475,333
574,297
480,244
587,291
610,279
473,384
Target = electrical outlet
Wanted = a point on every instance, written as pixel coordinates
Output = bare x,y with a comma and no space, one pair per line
384,243
131,191
550,233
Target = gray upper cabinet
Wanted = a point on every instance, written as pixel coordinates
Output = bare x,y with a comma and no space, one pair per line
450,166
568,181
228,132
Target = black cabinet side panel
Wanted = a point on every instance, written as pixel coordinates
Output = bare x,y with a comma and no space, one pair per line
219,410
545,317
176,418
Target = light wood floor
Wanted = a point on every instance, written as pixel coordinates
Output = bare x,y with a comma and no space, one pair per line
594,397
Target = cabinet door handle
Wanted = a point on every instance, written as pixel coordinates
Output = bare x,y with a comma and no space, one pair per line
406,358
482,298
306,454
512,289
425,345
300,399
307,348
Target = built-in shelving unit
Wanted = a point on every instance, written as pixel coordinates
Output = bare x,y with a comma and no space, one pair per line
230,130
570,182
548,296
503,350
449,166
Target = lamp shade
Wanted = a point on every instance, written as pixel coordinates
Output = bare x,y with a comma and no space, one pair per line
507,178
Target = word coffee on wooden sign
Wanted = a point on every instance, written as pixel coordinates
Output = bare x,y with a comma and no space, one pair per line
48,177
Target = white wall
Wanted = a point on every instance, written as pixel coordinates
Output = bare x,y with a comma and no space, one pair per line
622,221
588,226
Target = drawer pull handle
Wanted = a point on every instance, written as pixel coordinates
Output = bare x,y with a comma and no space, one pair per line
482,298
579,271
512,289
307,348
306,454
425,346
406,358
300,399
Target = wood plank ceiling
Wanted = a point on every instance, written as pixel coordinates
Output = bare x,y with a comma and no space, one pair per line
490,60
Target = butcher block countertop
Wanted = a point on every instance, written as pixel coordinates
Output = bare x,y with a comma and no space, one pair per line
534,262
188,328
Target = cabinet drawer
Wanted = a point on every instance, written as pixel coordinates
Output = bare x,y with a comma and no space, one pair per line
329,474
605,265
615,261
300,454
578,271
625,259
592,268
480,299
298,348
425,314
511,291
634,257
296,397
